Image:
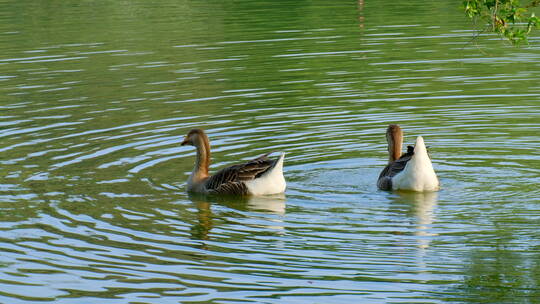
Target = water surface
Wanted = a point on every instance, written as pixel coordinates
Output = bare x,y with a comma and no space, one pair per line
95,99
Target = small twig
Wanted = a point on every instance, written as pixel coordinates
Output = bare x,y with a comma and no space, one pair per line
475,37
494,14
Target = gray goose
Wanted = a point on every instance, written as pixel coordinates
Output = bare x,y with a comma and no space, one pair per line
259,176
408,171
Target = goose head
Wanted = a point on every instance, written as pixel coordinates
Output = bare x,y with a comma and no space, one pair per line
195,137
198,139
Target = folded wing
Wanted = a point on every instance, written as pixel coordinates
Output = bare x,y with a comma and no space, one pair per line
392,169
231,180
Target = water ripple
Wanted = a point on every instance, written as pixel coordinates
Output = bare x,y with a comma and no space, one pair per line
93,193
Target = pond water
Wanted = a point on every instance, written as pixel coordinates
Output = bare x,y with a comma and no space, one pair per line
95,98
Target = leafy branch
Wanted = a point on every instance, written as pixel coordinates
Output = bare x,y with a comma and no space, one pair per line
508,18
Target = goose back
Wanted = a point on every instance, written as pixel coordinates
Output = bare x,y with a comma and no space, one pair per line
394,168
231,180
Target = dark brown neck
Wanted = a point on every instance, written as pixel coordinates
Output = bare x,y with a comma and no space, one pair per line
394,136
202,162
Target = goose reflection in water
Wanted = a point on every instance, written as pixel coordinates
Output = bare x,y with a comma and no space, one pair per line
256,206
422,205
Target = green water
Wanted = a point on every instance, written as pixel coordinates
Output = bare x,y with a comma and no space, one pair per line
95,98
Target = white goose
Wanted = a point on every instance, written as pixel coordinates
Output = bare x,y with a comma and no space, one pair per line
259,176
408,171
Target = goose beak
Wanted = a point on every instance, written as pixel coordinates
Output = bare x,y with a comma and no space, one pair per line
185,142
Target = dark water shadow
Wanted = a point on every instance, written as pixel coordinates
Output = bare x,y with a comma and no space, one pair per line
253,205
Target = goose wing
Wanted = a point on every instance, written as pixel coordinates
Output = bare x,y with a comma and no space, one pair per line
392,169
231,179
